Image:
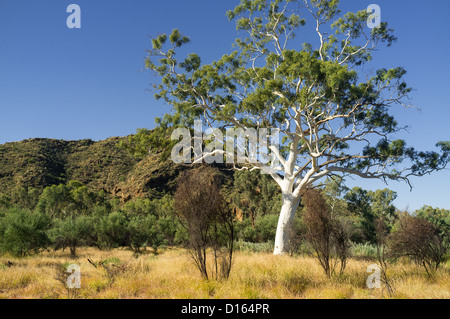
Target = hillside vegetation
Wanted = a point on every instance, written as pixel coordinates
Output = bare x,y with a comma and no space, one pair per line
102,165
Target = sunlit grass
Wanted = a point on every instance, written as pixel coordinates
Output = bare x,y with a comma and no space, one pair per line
171,275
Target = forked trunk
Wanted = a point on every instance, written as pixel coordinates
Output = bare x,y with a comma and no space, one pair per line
285,223
73,251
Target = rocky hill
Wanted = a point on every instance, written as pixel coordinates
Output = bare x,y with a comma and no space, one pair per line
99,165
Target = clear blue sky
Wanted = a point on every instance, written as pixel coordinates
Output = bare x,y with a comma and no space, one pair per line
73,84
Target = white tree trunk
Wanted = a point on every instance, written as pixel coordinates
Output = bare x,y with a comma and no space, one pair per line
285,223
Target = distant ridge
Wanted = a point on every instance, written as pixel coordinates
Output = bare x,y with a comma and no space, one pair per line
41,162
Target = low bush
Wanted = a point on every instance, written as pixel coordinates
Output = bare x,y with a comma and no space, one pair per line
144,231
72,233
262,232
112,230
23,232
266,247
359,250
420,240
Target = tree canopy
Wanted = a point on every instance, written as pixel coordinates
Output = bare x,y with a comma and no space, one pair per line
333,118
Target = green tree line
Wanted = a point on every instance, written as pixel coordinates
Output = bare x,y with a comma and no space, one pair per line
68,216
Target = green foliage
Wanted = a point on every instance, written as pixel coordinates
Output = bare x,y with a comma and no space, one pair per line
169,228
242,245
72,233
264,230
23,232
367,207
55,200
181,236
244,230
159,214
381,202
112,230
334,190
271,80
255,194
25,198
109,218
5,202
439,218
138,207
138,144
161,207
38,163
71,200
359,250
145,232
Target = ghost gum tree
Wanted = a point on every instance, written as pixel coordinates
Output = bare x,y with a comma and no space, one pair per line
333,119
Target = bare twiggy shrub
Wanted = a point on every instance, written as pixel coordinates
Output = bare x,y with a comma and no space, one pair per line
381,234
341,236
328,236
112,270
295,241
419,240
208,221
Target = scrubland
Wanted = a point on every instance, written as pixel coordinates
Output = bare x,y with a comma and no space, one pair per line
171,275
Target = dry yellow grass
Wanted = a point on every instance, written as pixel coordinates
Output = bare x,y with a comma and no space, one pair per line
171,275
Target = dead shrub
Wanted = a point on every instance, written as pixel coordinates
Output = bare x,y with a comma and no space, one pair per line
418,239
208,221
383,254
327,235
112,269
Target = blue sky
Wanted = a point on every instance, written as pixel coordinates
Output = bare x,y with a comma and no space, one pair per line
72,84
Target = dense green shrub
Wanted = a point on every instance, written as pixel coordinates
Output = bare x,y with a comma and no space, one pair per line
359,250
144,231
111,230
181,235
438,217
23,232
169,227
5,202
366,207
244,231
263,231
241,245
266,228
72,233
